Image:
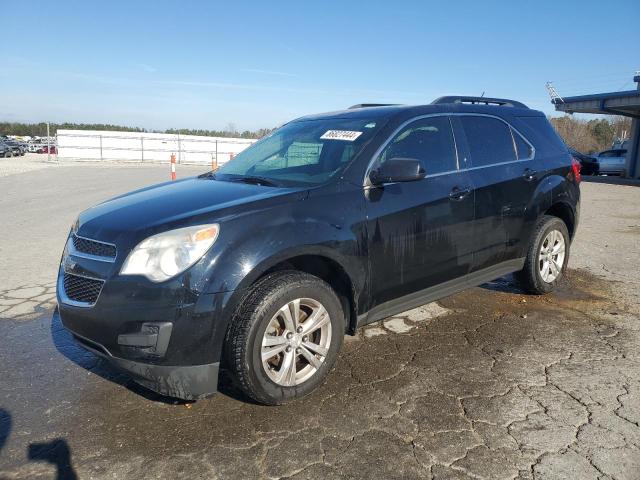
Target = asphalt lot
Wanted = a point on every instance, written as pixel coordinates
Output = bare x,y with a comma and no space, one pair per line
489,383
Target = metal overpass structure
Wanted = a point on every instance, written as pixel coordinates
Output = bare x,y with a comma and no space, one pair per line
626,103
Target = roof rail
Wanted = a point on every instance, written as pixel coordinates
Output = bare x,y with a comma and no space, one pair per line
503,102
365,105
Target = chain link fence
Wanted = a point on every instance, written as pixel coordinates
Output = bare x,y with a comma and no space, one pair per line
147,147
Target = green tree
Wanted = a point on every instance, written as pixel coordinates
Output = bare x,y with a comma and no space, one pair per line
593,135
40,129
603,131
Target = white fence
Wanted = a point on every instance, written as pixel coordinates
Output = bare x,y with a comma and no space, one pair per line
147,147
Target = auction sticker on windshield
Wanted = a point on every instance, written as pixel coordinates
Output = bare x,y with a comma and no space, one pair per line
347,135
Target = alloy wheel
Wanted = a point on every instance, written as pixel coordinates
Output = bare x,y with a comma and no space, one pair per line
551,256
296,342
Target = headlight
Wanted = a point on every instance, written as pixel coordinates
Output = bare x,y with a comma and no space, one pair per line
167,254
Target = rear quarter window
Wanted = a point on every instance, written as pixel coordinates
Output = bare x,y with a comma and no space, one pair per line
544,137
523,149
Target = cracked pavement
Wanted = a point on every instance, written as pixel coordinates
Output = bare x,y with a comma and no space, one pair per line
488,383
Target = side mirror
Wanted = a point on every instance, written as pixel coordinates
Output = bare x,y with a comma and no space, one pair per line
398,170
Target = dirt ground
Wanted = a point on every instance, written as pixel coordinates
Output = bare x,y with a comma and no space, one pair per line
488,383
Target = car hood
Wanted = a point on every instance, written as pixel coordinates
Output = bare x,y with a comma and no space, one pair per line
169,205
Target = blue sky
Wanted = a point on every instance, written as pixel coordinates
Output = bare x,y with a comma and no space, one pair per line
205,64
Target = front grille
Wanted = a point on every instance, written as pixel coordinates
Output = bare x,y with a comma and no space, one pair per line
82,289
93,247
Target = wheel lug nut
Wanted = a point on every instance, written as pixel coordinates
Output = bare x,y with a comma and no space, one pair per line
299,329
305,338
297,350
288,349
289,336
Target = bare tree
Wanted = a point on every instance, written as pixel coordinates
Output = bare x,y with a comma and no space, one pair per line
592,135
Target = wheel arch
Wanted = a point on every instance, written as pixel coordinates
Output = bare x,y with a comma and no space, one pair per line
328,269
555,196
564,212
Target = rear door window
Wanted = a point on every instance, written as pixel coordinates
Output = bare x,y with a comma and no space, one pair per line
489,140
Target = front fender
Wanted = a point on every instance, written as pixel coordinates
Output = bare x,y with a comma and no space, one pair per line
326,223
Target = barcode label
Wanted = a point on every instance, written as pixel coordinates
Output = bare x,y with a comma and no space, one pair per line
346,135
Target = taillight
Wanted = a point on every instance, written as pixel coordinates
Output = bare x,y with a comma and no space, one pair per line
575,167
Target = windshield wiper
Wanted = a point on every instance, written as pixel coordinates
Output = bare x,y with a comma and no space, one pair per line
253,180
210,174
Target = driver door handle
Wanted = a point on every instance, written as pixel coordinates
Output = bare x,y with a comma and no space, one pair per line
458,193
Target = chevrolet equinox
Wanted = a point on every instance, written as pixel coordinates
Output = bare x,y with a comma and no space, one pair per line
331,222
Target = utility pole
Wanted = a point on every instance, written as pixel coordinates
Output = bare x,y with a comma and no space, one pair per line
633,153
48,145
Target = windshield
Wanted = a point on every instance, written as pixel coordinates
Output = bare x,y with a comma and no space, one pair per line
302,152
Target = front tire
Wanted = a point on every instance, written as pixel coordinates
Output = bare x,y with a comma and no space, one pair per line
547,257
285,337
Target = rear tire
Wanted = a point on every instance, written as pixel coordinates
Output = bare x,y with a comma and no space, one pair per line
547,257
267,322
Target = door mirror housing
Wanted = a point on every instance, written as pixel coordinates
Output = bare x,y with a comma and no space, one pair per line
398,169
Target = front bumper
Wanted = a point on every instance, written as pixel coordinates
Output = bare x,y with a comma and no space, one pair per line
187,382
166,336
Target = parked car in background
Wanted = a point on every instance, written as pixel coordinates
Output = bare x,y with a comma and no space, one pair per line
330,223
612,162
5,150
16,148
48,149
588,164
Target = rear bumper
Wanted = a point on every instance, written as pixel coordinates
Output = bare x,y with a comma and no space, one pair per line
187,382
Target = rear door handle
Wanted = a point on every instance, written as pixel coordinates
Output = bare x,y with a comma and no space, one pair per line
458,193
529,174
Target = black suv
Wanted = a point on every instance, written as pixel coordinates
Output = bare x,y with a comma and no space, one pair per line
16,147
5,150
331,222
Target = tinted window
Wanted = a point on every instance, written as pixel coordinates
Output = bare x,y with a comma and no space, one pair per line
540,131
522,148
489,140
302,152
613,153
298,154
428,139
